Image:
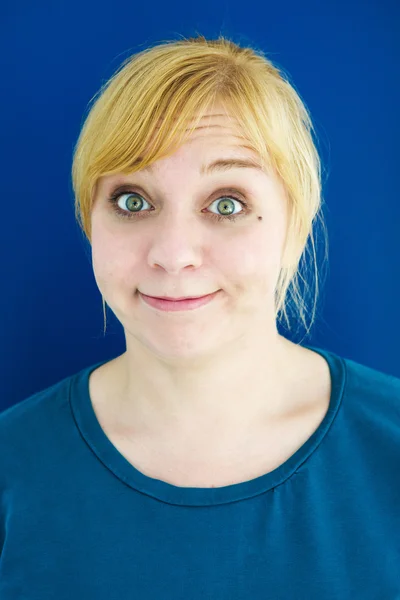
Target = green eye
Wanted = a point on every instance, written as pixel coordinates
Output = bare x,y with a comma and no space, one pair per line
135,201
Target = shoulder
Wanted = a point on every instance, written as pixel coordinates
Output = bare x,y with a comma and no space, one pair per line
26,427
372,399
367,382
22,412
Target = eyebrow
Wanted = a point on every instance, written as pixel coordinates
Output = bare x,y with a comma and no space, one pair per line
223,164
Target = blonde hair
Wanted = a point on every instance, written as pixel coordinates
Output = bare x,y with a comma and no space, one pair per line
141,113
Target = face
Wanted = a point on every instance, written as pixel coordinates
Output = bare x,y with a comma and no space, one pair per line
172,236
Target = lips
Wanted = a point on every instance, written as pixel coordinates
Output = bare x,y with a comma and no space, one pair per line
178,305
178,298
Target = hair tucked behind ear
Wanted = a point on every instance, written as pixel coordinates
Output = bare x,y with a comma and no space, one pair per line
141,113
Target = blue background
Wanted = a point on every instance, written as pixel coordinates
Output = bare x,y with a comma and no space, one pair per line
343,58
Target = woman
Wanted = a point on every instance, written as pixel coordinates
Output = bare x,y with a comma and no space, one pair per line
214,458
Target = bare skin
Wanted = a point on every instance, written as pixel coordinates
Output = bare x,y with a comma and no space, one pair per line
215,395
189,459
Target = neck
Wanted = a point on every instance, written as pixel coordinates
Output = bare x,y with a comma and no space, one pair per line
241,388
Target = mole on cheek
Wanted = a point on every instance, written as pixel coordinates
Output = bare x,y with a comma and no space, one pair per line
259,218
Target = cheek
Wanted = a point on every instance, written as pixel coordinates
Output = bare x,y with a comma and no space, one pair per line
108,252
256,256
251,260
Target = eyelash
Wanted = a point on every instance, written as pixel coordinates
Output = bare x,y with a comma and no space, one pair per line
124,214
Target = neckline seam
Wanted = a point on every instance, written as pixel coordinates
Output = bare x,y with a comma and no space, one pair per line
163,491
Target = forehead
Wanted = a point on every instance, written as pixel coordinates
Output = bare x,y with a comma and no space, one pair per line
216,128
223,148
220,164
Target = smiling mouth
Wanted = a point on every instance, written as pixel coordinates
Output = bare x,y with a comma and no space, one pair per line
178,298
182,304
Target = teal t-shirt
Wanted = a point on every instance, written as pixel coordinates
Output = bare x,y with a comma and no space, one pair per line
79,522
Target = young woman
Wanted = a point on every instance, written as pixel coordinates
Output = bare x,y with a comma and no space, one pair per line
214,458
